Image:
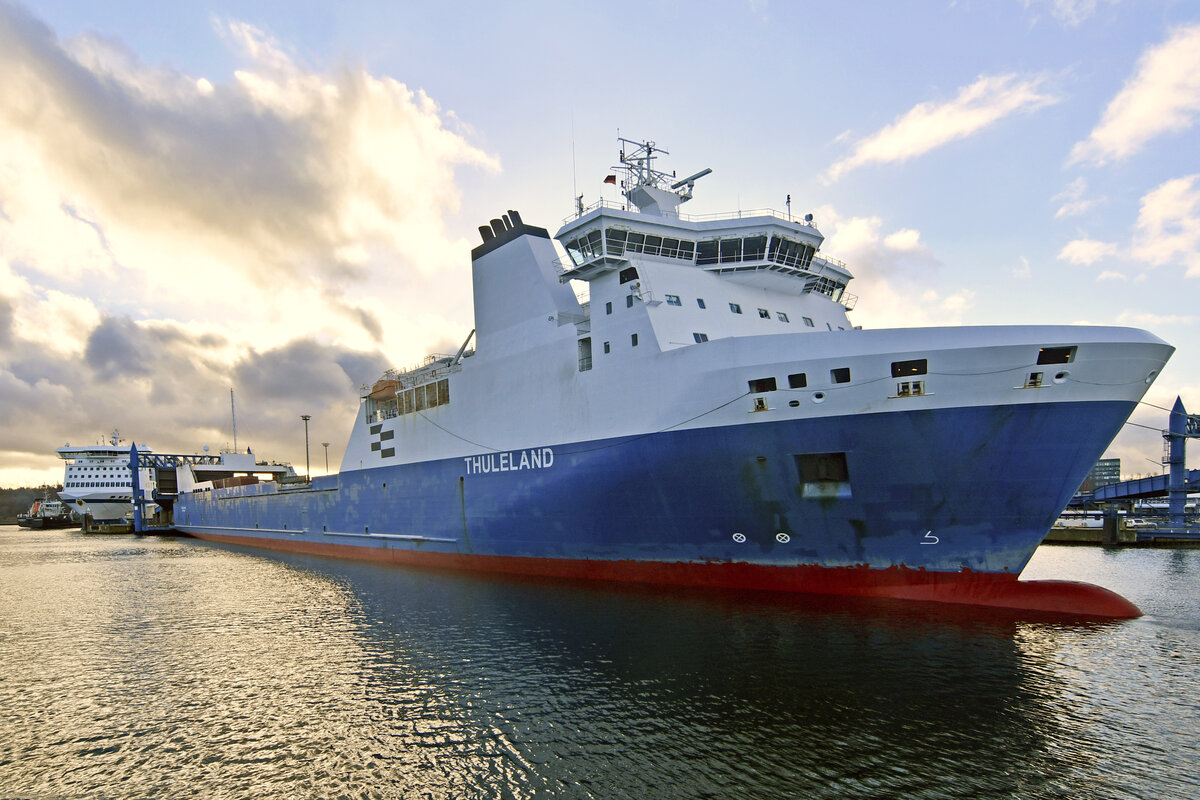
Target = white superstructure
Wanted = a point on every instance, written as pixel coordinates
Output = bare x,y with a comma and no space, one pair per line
98,481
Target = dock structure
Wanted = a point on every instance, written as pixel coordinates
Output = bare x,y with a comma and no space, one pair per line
1176,484
217,468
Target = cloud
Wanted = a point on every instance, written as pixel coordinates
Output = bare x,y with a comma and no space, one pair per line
6,322
1110,275
1168,225
1071,13
900,271
1073,199
1087,251
165,385
930,125
1024,271
1149,319
1162,97
164,236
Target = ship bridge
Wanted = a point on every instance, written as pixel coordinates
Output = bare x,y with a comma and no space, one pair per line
763,249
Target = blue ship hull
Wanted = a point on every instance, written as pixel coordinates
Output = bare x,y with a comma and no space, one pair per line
931,498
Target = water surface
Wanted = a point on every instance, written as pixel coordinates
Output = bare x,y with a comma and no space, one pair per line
147,666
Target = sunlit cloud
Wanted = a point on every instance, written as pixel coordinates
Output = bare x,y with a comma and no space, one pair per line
1155,320
1087,251
166,236
1110,275
1162,97
930,125
1071,13
900,271
1073,199
1168,225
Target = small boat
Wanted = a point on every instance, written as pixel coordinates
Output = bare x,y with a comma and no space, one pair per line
48,513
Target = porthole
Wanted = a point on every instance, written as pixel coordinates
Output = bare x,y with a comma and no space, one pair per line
1060,377
1150,378
818,397
794,403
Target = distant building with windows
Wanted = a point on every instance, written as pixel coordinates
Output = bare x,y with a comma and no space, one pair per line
1106,471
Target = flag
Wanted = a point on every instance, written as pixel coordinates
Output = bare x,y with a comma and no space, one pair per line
611,179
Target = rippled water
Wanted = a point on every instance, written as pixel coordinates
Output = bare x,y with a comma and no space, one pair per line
138,667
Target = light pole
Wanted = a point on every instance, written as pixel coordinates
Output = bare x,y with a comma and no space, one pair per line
307,472
326,446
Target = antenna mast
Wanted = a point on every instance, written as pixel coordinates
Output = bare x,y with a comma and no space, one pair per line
233,413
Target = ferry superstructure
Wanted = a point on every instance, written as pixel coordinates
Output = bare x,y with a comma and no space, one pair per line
710,416
98,480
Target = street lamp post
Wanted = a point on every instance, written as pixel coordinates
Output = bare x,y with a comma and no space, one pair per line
307,471
326,446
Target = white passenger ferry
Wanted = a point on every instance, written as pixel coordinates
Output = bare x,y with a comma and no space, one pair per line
98,481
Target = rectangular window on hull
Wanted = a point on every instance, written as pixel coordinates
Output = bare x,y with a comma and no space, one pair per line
1056,355
823,475
902,369
762,385
840,375
797,380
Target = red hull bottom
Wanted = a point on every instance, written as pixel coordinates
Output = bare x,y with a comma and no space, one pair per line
900,583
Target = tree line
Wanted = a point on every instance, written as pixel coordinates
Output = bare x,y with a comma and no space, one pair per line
18,501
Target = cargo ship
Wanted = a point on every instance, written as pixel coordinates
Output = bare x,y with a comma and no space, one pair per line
684,400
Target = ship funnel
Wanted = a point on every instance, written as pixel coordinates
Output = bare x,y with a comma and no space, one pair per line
498,227
486,233
515,217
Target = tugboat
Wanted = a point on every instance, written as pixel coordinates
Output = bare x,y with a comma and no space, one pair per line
48,513
710,416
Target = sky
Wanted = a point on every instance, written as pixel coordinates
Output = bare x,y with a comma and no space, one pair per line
280,198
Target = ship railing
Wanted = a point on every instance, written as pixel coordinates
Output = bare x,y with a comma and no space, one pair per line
725,215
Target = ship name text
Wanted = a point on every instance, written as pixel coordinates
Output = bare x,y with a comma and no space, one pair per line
511,461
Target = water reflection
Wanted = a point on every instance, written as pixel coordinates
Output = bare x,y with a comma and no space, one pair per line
142,666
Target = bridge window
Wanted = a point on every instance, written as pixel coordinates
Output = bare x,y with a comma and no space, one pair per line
754,247
706,252
735,308
790,253
782,316
615,241
731,250
764,314
634,242
585,248
700,337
